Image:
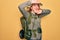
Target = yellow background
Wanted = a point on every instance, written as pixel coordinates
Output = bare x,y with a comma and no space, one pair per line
10,20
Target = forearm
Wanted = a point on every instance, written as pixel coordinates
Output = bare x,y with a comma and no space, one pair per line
23,5
22,8
45,12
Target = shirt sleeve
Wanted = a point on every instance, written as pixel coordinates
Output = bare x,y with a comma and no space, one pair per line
44,12
22,8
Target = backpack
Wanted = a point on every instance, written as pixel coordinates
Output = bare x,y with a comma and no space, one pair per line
25,32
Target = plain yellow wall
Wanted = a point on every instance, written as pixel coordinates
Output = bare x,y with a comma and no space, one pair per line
10,20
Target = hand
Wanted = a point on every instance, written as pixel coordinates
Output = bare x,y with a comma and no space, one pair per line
38,11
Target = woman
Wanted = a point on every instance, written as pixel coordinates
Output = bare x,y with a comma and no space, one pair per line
33,17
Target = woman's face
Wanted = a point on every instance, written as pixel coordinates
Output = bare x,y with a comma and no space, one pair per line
35,7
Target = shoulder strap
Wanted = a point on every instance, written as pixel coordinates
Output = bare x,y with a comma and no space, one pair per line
29,18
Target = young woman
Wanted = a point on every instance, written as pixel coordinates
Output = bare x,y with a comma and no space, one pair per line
33,17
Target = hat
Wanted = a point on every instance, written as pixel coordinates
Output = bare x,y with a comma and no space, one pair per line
35,2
